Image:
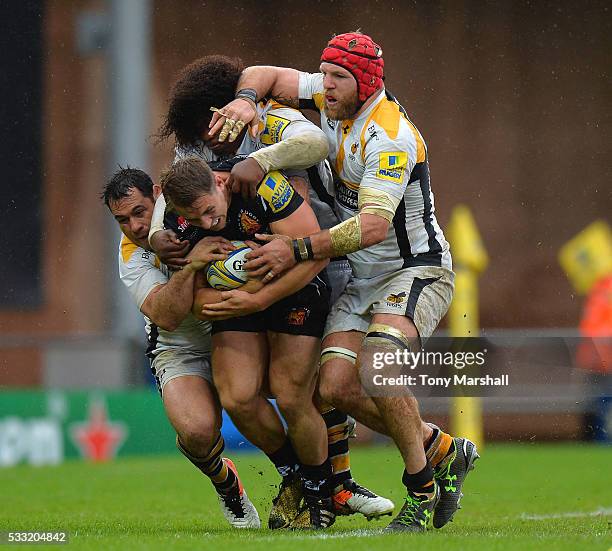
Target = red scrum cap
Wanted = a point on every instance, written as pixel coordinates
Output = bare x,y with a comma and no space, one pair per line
359,55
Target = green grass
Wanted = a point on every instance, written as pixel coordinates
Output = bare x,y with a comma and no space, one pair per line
163,503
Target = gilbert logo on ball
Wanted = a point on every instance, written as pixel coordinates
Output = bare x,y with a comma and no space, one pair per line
227,274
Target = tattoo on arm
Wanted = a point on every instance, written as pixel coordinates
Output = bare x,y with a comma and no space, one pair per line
291,102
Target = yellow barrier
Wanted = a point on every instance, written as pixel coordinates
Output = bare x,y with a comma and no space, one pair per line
587,257
469,261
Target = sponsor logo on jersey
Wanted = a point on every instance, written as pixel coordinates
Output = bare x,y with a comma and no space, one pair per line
273,132
331,124
248,223
297,316
396,301
391,166
372,131
276,190
182,223
347,196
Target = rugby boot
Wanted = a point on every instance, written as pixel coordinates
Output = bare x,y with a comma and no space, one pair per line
236,506
353,498
286,505
416,513
450,474
317,514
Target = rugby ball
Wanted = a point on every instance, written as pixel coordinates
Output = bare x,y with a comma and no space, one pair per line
228,274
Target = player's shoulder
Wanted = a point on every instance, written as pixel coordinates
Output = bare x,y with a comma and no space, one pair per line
312,82
133,256
275,191
388,124
310,90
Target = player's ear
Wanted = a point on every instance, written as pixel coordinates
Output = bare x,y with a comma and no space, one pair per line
219,181
156,191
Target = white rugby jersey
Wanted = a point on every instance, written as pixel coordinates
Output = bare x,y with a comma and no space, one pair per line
278,122
141,271
381,149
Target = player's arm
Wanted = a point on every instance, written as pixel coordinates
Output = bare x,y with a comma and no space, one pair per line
299,224
168,304
388,167
203,294
360,232
298,152
169,249
301,185
387,172
280,83
301,144
282,252
290,141
386,175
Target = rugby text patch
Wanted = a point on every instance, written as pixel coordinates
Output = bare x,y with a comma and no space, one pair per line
273,132
391,166
276,190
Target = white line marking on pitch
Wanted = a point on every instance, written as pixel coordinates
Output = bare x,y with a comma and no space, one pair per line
334,535
604,511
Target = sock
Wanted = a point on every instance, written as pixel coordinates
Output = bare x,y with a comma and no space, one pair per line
337,445
421,482
435,432
285,459
212,465
317,480
439,446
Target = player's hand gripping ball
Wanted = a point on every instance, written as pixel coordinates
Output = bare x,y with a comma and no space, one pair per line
227,274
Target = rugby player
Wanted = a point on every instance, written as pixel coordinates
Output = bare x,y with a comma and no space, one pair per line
286,140
179,344
272,332
402,279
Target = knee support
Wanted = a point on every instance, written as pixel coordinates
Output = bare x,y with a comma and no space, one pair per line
332,352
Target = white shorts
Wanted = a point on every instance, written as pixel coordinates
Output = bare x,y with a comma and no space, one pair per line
170,364
422,293
339,272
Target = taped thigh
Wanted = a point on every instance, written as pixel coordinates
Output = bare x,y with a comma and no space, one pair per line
381,335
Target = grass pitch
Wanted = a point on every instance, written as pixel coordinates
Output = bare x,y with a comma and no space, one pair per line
518,497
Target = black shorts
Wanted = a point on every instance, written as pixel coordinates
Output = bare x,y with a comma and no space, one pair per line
302,313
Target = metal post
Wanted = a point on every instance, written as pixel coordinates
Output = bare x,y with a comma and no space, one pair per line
129,57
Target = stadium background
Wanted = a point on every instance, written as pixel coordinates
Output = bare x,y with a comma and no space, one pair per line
512,98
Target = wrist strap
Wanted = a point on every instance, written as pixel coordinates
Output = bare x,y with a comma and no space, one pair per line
302,249
296,251
247,93
309,251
